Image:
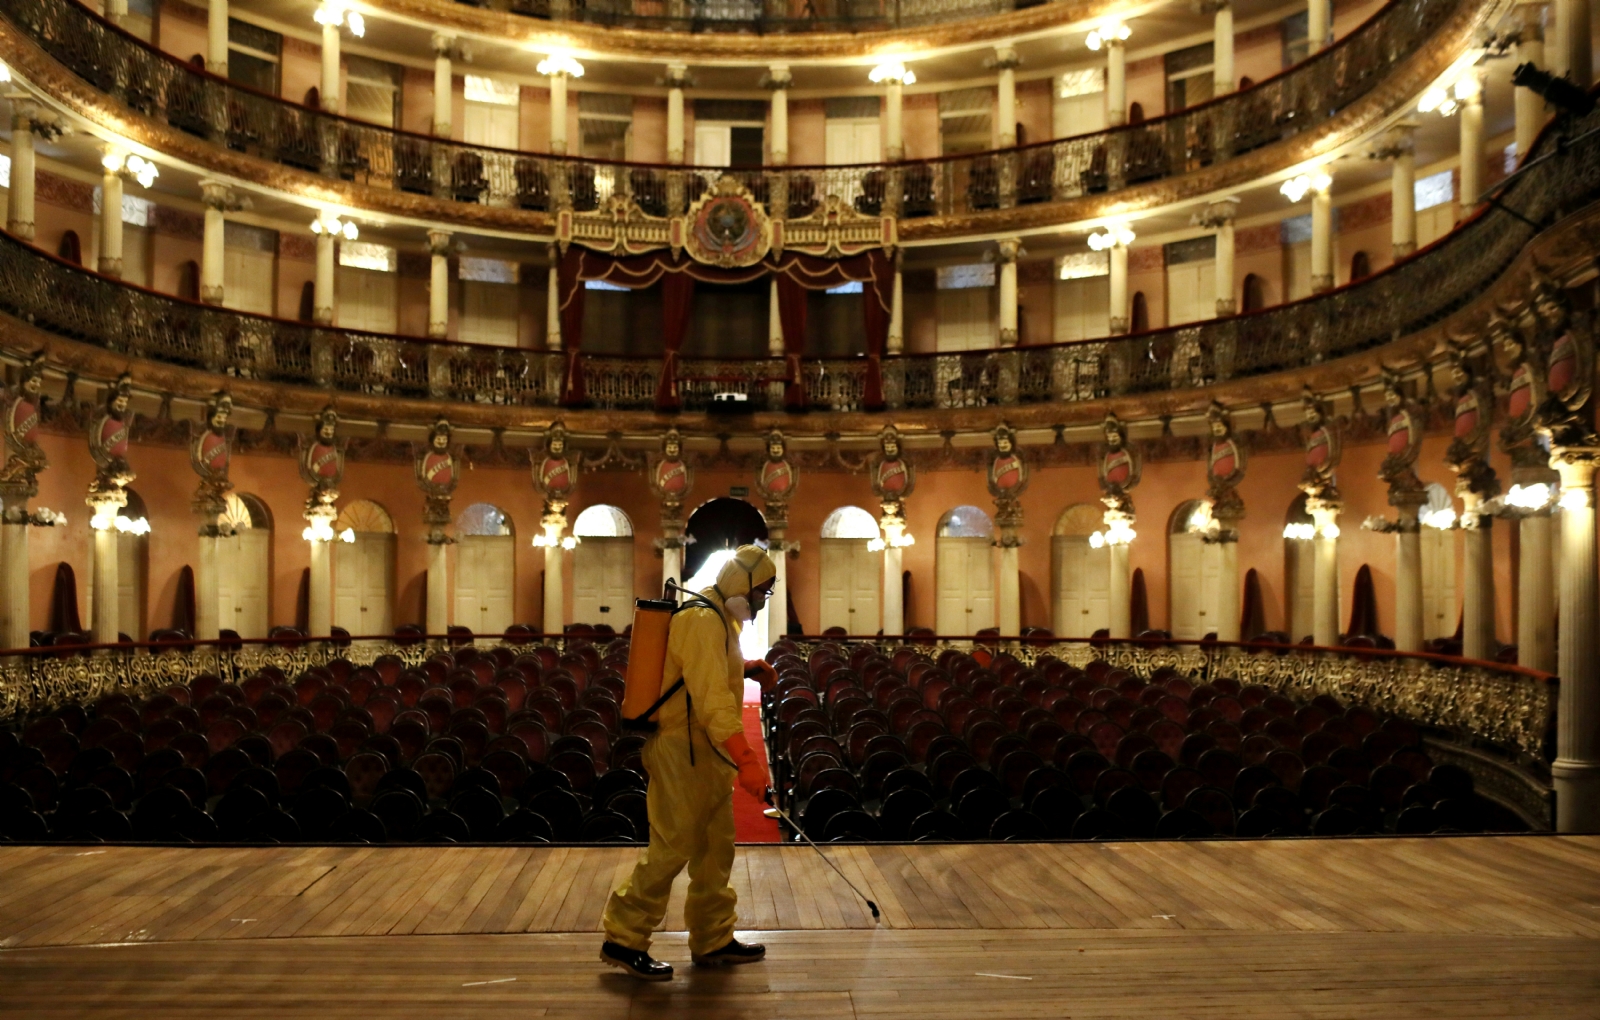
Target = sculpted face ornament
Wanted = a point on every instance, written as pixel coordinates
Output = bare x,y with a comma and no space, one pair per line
23,457
109,436
322,463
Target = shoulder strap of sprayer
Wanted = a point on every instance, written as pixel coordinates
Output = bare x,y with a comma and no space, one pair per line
692,599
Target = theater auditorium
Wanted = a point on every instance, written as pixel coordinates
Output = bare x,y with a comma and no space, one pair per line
799,508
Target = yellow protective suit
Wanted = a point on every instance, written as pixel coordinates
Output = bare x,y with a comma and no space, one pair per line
691,801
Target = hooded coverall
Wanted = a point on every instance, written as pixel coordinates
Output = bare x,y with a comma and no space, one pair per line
690,796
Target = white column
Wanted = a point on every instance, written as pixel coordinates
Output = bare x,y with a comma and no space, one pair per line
14,611
1530,50
111,218
555,590
1222,48
322,289
1469,91
671,562
677,76
1010,608
778,603
894,141
775,348
1009,249
1325,573
1119,591
558,114
1005,60
116,11
1403,192
1408,620
896,343
1321,239
1573,57
1118,281
207,597
552,317
217,38
1576,771
103,610
19,220
894,606
319,604
778,81
1219,217
444,89
438,608
1317,14
1536,632
213,248
1477,615
1116,82
331,93
438,294
1225,621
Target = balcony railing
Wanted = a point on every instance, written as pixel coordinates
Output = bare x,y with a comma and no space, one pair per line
763,17
1562,174
243,120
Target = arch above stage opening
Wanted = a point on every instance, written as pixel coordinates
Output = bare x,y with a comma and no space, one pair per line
718,524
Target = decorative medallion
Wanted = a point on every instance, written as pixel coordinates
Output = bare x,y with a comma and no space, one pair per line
726,227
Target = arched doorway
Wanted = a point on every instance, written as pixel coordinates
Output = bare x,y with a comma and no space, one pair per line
486,569
363,569
133,567
964,572
1082,572
852,572
244,566
1193,572
1438,518
602,567
721,524
1299,566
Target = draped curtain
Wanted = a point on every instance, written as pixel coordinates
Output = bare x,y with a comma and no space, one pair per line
796,273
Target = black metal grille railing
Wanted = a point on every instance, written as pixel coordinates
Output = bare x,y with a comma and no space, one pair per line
160,86
764,17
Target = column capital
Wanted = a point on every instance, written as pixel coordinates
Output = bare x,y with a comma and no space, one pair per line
1217,215
1008,250
1005,58
1576,465
1398,141
439,242
678,77
219,196
446,45
1212,6
777,78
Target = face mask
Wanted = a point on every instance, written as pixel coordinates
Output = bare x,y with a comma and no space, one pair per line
739,608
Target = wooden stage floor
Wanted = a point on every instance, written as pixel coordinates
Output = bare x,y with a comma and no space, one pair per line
1392,928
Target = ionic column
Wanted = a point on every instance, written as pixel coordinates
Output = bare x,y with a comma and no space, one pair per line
1119,588
14,609
1009,249
19,221
1477,633
217,38
1225,617
438,609
1325,572
319,601
1573,56
1010,607
896,343
111,215
103,610
894,606
331,93
778,602
1469,92
1219,217
775,347
552,318
1317,14
1116,81
1006,62
1408,618
1536,632
1401,153
1576,771
322,288
207,587
558,114
894,141
677,78
1118,281
1529,105
778,81
116,11
1222,47
443,99
217,198
672,558
1322,235
438,292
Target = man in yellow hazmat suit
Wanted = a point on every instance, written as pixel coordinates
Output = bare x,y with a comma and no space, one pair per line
692,760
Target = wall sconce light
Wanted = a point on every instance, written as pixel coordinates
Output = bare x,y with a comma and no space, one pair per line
1111,237
560,63
1295,188
893,71
334,13
333,225
1110,32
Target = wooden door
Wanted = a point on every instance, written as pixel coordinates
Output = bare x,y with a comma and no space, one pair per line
132,555
602,581
363,584
964,583
1082,579
1191,292
1439,613
243,573
1300,559
851,583
485,577
1184,552
713,144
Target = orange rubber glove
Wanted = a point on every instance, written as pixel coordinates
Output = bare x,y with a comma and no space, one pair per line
752,771
761,672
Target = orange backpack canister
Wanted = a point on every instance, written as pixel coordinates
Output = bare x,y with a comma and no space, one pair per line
647,660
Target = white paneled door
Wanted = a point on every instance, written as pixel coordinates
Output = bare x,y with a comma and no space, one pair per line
363,584
851,581
602,581
243,570
485,580
964,580
1082,577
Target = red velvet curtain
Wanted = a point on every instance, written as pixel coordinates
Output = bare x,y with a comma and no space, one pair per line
792,318
677,302
569,292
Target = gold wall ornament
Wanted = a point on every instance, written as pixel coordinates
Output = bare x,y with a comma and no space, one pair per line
322,463
726,227
438,469
211,455
21,456
1319,434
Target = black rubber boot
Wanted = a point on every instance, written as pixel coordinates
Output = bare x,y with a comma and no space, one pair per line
735,952
640,964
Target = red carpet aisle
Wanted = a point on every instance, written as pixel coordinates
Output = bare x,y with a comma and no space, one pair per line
751,825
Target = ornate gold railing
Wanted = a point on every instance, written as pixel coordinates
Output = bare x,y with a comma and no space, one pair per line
160,86
763,17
